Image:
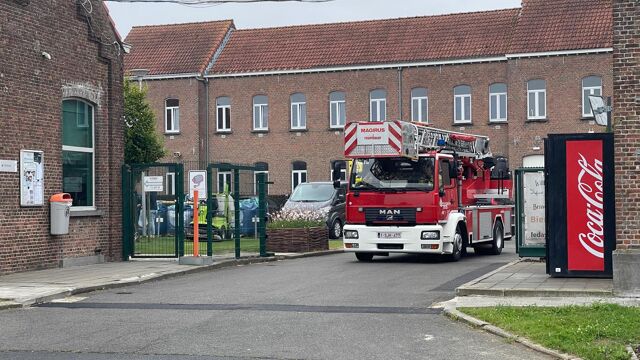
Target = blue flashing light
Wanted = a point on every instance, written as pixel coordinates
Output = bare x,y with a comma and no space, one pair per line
441,142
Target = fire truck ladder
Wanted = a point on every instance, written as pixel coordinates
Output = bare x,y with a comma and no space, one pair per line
429,139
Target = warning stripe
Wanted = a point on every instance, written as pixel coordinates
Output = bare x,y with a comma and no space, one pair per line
395,137
350,138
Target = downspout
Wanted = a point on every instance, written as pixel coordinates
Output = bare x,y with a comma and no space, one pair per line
206,116
400,93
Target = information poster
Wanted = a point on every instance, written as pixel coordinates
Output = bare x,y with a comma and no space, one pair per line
198,181
534,209
31,178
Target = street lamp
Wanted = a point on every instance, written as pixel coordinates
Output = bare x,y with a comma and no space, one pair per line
139,75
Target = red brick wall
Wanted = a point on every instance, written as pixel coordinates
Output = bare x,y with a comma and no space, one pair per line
626,117
31,94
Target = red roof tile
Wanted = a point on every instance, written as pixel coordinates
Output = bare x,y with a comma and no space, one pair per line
175,49
551,25
455,36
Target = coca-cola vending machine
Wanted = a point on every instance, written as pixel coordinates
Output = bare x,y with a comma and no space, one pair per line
580,204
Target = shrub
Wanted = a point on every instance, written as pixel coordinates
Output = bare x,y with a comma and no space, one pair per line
295,218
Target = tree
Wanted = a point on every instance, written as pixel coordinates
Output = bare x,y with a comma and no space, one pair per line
142,143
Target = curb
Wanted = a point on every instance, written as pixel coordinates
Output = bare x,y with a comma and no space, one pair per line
632,354
490,273
142,279
477,323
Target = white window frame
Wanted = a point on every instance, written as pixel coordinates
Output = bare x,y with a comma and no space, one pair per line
170,184
86,150
463,114
255,180
537,93
419,110
298,174
260,108
498,96
591,90
226,122
175,118
335,123
296,108
226,175
381,106
342,172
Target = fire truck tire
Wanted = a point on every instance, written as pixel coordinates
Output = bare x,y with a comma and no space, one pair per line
458,245
335,232
498,240
365,257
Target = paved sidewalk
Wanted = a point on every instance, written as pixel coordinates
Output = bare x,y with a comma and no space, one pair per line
526,278
33,287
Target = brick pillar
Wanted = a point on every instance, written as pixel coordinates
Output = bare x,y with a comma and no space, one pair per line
626,117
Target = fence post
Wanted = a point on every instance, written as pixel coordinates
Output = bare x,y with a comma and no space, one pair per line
180,209
209,210
262,214
127,212
236,203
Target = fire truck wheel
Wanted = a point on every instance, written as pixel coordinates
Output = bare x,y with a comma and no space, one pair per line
458,241
335,232
498,240
366,257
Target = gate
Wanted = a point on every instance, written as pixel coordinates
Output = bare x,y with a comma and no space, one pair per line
158,210
153,204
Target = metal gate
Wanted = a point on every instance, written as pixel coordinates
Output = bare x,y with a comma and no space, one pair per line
159,218
153,196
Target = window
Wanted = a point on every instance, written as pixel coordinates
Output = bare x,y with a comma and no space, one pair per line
298,174
591,86
536,99
262,168
172,116
419,105
170,180
444,179
223,107
337,109
378,108
260,112
298,111
498,102
224,181
78,160
462,104
343,169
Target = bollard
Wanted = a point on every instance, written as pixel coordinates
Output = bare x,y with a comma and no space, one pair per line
196,223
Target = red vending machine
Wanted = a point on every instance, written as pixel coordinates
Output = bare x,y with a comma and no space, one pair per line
580,204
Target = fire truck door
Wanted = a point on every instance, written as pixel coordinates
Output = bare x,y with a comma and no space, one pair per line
446,189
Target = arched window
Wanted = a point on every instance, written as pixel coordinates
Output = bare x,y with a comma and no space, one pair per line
591,86
337,109
172,116
298,111
378,105
462,104
260,112
78,155
298,173
498,102
419,105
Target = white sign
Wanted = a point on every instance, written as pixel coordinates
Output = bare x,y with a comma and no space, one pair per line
153,183
374,134
31,178
9,166
534,209
198,181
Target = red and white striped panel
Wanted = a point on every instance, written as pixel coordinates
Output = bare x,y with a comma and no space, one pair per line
391,146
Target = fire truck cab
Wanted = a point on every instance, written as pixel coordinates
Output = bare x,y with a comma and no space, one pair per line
416,189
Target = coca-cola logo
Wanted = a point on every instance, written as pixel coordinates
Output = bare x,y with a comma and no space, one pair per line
590,187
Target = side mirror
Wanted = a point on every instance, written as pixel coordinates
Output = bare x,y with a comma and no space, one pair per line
336,184
441,193
453,171
336,172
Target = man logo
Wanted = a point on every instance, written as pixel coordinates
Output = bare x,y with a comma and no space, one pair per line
389,212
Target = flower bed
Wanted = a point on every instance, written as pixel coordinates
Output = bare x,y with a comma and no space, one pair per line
297,231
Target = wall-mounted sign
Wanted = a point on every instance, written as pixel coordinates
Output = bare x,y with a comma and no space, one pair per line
534,203
153,183
198,181
31,178
9,166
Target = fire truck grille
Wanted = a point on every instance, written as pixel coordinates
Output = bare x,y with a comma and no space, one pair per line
390,216
390,246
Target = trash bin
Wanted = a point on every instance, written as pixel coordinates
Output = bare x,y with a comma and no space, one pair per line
60,212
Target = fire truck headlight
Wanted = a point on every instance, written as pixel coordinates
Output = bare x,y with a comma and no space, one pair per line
350,234
430,235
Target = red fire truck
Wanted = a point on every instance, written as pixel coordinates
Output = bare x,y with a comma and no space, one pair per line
416,189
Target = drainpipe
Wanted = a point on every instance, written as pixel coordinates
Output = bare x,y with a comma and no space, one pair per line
400,93
205,82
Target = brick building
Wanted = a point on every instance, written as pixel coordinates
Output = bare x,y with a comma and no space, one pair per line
281,96
61,97
626,118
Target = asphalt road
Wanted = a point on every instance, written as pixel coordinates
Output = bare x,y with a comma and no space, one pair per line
328,307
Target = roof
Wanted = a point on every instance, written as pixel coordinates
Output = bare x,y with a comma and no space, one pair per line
545,26
175,49
426,38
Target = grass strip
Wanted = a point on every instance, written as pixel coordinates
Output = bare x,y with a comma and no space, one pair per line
599,331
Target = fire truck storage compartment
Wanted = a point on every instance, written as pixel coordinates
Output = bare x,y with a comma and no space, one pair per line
579,205
482,224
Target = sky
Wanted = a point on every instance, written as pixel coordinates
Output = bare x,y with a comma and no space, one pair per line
270,14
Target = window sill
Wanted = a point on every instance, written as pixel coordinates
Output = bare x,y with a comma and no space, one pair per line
85,213
224,132
537,120
588,118
336,128
497,122
167,133
463,123
298,130
260,131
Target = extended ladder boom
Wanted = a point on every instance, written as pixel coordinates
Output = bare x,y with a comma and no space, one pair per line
428,138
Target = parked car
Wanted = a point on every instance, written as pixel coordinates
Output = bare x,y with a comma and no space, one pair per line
321,196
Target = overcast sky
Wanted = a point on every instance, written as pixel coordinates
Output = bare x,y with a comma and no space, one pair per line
269,14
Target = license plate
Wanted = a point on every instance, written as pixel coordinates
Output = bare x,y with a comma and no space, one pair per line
388,235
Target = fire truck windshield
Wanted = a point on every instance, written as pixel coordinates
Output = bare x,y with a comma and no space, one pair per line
380,174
